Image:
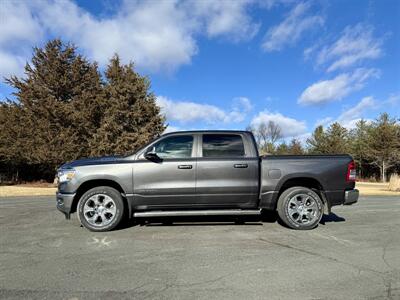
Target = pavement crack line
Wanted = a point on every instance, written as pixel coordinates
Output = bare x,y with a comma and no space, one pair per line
359,268
387,281
384,249
179,285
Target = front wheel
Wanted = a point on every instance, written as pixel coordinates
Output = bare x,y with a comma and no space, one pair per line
101,209
300,208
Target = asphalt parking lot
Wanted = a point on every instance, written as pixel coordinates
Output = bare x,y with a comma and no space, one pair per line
355,254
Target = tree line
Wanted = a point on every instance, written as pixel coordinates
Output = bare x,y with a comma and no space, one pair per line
64,109
375,146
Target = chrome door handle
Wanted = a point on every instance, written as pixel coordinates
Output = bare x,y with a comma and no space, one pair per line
185,166
240,166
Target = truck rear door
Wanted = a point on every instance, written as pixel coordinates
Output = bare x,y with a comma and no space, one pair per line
227,171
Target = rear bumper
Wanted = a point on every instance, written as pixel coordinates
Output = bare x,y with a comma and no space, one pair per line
341,197
351,197
64,203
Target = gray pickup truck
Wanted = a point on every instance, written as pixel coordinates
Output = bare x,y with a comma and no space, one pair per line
196,173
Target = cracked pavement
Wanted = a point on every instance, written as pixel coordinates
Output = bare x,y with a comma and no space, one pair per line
354,254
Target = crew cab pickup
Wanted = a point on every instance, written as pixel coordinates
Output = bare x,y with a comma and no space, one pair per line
204,173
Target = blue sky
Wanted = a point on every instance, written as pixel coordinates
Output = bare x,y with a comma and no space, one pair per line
230,64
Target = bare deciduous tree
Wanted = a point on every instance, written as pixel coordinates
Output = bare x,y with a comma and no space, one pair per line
266,135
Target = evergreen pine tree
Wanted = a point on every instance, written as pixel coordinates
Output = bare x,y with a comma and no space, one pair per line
317,142
295,147
384,144
131,117
337,139
58,105
359,145
282,149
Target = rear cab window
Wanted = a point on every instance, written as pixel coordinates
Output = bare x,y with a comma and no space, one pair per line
223,145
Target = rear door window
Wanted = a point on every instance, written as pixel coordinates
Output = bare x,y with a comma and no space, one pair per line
223,145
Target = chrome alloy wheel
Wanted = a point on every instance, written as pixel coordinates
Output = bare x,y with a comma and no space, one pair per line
303,209
99,210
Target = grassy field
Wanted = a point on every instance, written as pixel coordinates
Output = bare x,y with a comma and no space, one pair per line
375,189
366,188
26,190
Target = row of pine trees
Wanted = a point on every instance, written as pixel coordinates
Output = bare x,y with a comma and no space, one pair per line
65,108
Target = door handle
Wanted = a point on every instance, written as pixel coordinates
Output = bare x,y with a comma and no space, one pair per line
185,166
240,166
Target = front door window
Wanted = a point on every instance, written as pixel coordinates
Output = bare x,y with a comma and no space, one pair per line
174,147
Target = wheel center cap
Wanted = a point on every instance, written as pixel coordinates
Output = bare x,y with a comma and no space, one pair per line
100,209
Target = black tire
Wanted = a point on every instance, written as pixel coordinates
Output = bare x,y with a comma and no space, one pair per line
111,219
309,216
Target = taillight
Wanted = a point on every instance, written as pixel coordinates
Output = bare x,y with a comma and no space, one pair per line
351,171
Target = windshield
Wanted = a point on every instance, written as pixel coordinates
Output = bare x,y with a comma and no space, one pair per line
143,147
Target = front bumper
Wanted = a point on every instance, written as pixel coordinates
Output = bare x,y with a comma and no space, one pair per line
64,203
351,197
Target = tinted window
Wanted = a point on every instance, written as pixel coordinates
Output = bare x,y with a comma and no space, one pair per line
175,147
217,145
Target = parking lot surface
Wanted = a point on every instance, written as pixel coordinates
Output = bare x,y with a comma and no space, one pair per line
353,254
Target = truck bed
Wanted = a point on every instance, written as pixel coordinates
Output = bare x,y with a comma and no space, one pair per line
326,171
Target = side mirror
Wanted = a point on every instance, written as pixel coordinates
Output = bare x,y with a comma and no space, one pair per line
151,155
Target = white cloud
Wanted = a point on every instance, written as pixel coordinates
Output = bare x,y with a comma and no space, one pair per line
303,138
190,112
11,64
355,45
337,88
290,127
356,112
225,18
350,116
290,30
18,30
157,35
242,104
393,99
323,121
17,23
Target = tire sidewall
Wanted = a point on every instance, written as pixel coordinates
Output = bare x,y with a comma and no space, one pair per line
114,195
283,210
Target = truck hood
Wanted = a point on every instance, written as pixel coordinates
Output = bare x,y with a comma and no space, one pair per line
92,161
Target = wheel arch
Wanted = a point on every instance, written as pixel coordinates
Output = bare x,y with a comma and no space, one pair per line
89,184
308,182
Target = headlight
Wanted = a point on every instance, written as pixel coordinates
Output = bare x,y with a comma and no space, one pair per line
65,175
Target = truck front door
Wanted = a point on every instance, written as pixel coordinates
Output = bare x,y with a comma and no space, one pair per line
168,180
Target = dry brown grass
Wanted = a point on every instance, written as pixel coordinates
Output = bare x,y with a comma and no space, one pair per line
25,190
394,183
375,189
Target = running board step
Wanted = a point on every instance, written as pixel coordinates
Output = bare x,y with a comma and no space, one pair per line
208,212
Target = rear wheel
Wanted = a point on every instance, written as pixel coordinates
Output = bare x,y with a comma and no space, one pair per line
300,208
101,209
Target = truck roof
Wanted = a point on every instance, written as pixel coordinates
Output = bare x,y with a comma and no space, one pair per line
207,131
